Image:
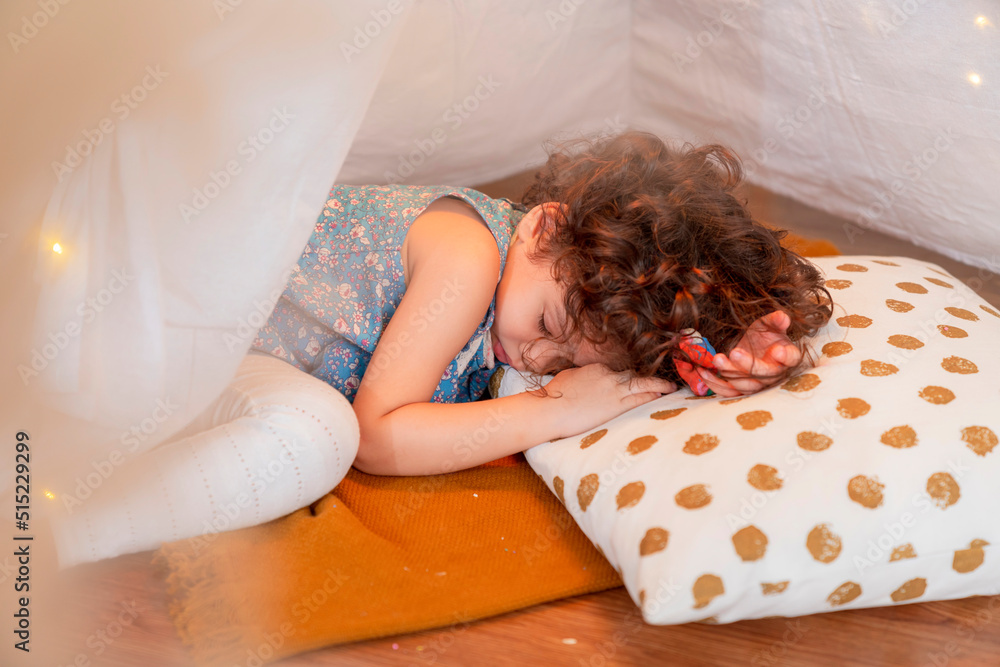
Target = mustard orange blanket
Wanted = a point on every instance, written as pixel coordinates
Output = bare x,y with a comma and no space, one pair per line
379,556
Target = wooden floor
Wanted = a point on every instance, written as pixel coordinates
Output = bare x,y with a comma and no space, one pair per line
598,629
114,612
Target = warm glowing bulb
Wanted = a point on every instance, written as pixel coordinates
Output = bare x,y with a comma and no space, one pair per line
49,495
974,79
56,248
982,21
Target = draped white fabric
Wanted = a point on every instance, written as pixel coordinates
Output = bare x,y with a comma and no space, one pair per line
178,153
885,113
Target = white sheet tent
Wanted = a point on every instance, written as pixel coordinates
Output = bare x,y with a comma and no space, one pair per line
163,163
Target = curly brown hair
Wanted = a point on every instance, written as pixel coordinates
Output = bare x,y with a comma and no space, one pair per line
651,240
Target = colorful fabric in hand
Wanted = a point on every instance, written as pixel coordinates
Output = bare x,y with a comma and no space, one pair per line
699,351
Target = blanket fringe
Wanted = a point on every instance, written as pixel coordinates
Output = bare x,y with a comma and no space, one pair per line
203,605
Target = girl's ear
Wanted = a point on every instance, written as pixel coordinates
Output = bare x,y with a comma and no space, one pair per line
529,226
538,219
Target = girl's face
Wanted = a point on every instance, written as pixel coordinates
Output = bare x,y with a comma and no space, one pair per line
529,305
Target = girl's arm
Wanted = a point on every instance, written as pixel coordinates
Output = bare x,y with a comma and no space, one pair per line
453,264
431,438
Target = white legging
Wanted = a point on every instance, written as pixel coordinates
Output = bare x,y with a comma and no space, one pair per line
276,440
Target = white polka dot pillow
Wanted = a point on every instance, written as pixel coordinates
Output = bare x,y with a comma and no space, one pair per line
871,479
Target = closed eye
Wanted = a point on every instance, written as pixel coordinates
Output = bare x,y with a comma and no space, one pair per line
541,326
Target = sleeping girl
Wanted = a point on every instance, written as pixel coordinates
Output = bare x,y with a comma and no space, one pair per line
621,257
406,298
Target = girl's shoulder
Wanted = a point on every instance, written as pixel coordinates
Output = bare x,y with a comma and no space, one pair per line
447,230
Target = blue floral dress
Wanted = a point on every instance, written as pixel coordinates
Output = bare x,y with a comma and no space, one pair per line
349,281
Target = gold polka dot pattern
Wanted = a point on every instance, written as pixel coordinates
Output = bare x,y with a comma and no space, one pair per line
750,543
752,420
866,491
823,543
900,437
699,443
873,368
557,485
904,342
959,365
773,589
962,314
952,332
980,439
641,444
805,382
967,560
895,414
706,588
852,408
592,438
937,395
901,552
586,491
693,497
764,477
666,414
912,589
630,494
912,288
654,540
814,442
943,489
854,321
844,593
837,349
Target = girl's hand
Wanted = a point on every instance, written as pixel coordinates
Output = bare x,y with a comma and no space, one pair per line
590,395
764,350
